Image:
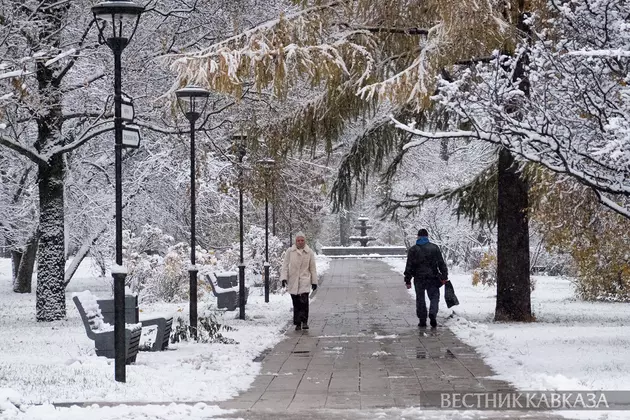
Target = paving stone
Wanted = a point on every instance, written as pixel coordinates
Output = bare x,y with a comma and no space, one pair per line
364,351
308,401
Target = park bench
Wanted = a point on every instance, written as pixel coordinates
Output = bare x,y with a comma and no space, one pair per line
163,323
226,289
102,332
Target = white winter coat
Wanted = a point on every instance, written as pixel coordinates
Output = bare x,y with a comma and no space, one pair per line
299,270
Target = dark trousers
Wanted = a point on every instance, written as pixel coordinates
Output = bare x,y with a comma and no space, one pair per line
300,308
433,293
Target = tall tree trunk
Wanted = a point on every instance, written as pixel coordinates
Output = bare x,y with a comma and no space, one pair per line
513,282
50,295
23,276
344,227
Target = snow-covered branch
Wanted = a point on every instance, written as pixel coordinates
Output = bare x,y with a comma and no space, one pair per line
23,150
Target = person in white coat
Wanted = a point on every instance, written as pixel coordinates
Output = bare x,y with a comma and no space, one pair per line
299,276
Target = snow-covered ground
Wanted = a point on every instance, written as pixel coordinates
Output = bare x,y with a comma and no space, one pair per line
573,346
44,363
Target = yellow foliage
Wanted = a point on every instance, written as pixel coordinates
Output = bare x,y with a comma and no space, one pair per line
486,273
597,239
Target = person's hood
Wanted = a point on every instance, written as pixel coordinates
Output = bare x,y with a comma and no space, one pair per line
422,240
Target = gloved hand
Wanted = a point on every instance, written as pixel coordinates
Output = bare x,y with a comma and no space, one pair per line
284,283
314,286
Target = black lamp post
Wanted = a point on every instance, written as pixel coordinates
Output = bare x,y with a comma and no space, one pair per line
240,142
267,164
192,101
117,21
273,213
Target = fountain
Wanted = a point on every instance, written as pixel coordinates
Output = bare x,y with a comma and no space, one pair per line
363,228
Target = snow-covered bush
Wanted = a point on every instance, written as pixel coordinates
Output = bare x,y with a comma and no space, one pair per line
254,256
158,269
209,330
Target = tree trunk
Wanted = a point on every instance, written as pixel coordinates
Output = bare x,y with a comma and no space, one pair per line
444,154
23,277
513,282
16,258
344,227
50,295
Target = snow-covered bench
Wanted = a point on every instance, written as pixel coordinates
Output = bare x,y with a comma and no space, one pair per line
102,332
227,297
162,323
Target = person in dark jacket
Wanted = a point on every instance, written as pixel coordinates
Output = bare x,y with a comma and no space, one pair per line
426,266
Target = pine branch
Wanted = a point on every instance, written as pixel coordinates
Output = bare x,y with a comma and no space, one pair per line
476,200
368,153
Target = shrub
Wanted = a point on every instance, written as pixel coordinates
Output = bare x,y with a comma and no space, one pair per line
486,273
254,256
209,330
574,222
158,269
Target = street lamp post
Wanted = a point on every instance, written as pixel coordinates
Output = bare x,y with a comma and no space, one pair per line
267,164
273,213
117,21
192,101
239,142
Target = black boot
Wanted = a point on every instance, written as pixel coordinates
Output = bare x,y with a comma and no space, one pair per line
422,323
298,327
304,326
433,321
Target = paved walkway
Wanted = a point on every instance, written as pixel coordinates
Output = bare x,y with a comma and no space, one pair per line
364,357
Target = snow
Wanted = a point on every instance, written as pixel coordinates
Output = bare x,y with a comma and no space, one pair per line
13,74
226,274
60,56
322,262
118,269
573,345
54,362
93,311
220,290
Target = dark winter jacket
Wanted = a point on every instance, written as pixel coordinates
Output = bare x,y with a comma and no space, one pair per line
425,264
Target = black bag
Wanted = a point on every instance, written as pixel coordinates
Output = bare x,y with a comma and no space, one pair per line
449,295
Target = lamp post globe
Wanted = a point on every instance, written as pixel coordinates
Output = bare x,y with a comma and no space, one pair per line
266,164
192,101
117,21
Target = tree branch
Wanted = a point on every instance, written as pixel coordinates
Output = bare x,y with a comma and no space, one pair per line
391,30
25,151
